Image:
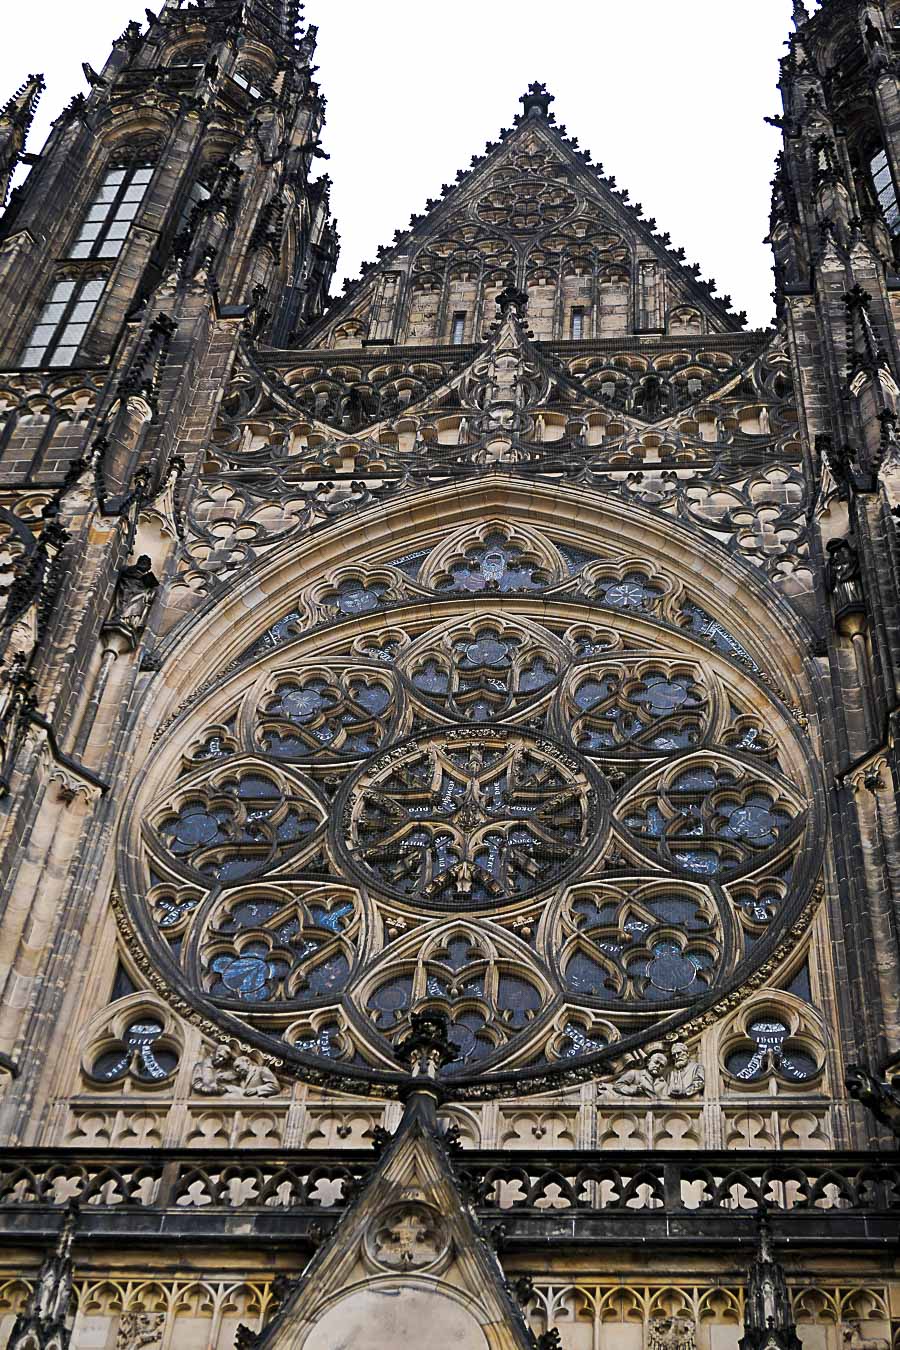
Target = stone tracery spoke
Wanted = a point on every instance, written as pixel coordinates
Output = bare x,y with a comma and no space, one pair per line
470,761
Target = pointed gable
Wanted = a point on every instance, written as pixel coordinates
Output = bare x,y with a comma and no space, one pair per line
408,1264
534,214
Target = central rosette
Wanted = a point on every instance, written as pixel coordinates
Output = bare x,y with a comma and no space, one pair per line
470,817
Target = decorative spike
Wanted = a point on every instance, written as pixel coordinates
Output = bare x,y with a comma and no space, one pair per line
43,1321
768,1314
15,121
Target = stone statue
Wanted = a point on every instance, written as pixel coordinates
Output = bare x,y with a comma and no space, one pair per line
648,1080
225,1074
686,1077
255,1080
134,592
843,563
672,1333
675,1075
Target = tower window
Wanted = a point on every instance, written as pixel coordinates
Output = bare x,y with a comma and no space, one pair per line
109,217
197,195
576,327
246,81
63,322
459,328
884,189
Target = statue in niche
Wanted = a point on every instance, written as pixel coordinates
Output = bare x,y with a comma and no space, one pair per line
675,1074
223,1073
843,563
843,578
135,587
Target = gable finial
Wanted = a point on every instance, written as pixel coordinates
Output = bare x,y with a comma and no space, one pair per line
536,102
768,1314
427,1048
512,301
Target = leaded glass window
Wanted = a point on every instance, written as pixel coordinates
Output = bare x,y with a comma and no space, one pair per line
63,322
110,215
536,787
885,191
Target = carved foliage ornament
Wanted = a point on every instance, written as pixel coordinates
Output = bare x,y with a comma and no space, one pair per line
548,799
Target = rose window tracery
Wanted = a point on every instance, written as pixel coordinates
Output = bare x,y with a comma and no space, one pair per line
468,819
518,779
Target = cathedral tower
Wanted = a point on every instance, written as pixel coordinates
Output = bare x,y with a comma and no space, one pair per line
448,828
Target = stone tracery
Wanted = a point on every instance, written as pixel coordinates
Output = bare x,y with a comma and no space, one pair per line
613,808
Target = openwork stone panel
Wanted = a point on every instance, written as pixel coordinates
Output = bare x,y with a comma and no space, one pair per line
535,786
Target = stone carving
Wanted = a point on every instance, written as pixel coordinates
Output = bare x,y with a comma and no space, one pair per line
408,1237
880,1095
686,1077
678,1075
853,1339
224,1073
671,1333
649,1080
133,595
140,1330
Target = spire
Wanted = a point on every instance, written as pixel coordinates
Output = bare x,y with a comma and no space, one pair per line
277,18
768,1315
15,120
801,13
42,1326
282,16
20,109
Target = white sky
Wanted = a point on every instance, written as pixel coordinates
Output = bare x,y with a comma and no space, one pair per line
668,94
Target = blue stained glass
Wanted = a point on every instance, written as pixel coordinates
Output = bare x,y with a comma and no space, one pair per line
696,780
323,1044
334,920
632,592
487,652
432,679
304,704
663,696
173,911
705,626
702,861
537,676
355,598
373,697
330,977
249,975
577,1042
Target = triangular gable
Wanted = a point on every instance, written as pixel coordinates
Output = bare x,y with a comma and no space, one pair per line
408,1263
536,214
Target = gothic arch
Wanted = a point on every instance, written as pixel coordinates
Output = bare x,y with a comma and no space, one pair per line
599,606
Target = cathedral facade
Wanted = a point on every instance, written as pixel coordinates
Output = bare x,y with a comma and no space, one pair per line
449,844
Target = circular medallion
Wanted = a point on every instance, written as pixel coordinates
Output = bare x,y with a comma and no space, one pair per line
470,817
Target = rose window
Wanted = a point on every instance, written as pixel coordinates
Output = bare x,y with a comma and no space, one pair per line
510,779
468,819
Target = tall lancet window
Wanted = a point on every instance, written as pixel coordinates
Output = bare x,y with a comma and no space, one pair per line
111,213
63,322
884,189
